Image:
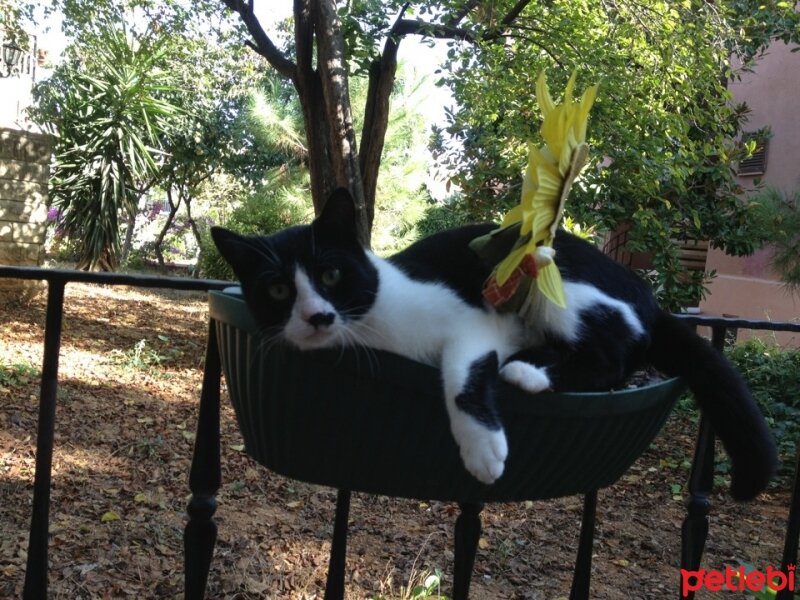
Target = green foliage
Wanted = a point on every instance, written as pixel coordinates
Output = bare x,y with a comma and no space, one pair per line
264,212
429,588
664,131
143,356
401,195
108,106
191,69
423,586
17,373
440,216
778,216
273,120
80,16
589,233
14,16
214,88
773,375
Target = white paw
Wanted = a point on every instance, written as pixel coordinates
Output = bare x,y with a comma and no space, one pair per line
483,450
526,376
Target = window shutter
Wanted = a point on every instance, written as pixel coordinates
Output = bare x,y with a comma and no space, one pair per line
757,163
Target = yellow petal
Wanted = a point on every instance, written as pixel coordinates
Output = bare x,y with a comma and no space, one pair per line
543,95
587,100
509,263
512,216
550,285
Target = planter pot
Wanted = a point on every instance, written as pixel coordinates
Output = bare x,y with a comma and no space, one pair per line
375,422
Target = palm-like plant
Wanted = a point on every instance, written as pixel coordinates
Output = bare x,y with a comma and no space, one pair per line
110,109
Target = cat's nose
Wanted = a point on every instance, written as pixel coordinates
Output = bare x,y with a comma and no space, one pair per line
321,319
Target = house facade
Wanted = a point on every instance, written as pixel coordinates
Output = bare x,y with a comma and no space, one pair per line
24,163
747,287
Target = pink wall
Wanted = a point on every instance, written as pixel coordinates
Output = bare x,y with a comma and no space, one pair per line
772,92
747,287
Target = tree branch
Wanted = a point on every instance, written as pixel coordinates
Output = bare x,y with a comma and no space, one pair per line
457,17
261,43
450,29
512,15
382,74
435,30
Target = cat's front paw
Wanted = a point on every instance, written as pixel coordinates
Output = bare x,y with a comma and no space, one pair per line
483,451
526,376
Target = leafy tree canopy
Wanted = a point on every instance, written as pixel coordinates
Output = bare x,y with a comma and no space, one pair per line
135,110
109,107
664,129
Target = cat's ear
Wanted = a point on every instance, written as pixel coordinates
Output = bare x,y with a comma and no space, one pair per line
338,215
236,249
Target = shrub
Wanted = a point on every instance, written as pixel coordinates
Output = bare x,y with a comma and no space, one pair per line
774,378
443,215
777,216
262,213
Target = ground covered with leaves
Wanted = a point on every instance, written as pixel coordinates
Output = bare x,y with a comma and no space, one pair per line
130,374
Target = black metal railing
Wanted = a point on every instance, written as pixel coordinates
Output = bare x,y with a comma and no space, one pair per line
36,567
202,505
695,526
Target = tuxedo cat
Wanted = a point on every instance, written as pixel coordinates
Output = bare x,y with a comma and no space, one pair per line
314,286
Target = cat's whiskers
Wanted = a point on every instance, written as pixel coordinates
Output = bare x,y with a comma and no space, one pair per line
377,332
351,339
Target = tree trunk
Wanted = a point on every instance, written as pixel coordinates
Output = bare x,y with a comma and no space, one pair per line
376,121
187,201
126,246
309,88
336,98
173,210
334,158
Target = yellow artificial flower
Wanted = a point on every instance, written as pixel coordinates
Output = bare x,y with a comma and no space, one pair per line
548,177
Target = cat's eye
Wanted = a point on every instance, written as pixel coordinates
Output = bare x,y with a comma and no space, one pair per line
330,277
279,291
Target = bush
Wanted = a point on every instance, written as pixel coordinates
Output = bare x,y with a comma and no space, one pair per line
443,215
774,378
777,216
262,213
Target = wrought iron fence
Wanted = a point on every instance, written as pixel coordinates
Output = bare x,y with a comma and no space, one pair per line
695,527
36,567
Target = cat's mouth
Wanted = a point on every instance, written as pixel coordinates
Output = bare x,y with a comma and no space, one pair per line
320,338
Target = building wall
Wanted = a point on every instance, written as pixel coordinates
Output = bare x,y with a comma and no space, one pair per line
747,287
16,90
24,171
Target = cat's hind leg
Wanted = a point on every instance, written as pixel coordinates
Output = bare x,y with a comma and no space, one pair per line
469,385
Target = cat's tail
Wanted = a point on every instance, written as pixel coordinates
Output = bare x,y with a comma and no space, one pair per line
725,400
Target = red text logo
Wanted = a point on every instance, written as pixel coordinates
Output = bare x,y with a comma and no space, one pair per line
736,580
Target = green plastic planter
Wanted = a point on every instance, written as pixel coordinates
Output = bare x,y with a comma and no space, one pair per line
375,422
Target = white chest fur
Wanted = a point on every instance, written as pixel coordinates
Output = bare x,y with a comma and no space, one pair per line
418,319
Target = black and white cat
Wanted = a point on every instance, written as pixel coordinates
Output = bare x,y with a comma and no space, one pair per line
316,287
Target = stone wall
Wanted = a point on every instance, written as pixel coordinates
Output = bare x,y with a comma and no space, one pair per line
24,171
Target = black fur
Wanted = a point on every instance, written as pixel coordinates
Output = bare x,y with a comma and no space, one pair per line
477,397
329,242
445,257
725,399
600,361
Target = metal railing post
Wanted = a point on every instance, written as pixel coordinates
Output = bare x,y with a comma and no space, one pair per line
36,569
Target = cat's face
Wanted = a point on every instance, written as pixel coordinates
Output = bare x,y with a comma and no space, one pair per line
308,283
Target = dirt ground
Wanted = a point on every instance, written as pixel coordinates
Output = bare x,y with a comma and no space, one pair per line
130,374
